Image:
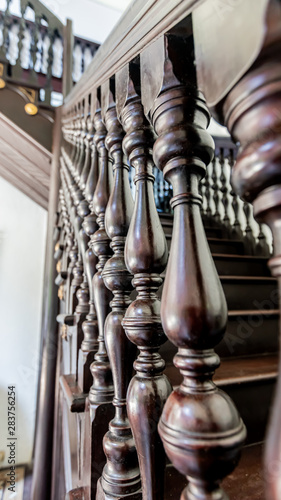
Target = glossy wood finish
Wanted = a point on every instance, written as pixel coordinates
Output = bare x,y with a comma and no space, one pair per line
120,477
102,388
200,426
252,113
86,226
43,448
146,256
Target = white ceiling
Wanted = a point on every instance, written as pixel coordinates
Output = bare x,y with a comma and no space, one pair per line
114,4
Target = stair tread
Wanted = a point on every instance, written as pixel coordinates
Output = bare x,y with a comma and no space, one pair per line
248,278
229,256
251,312
236,370
212,239
246,481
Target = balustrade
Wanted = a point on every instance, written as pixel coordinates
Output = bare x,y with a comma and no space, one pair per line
137,162
32,49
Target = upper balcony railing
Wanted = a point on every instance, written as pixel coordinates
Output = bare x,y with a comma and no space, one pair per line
32,50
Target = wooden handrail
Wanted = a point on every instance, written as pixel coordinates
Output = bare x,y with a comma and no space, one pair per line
140,25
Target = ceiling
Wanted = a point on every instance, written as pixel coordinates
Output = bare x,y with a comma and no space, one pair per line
114,4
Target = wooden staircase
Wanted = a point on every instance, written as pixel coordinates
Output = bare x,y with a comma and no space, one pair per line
139,107
248,352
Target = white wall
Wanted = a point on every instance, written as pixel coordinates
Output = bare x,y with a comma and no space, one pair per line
22,247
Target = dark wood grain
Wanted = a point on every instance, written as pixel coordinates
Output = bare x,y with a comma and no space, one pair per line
146,256
252,112
120,477
201,429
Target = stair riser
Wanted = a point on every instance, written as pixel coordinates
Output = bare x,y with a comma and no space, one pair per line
256,295
245,336
227,247
250,335
221,246
253,401
237,267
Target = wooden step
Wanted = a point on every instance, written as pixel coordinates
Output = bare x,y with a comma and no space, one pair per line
250,383
248,333
241,265
245,483
250,292
220,245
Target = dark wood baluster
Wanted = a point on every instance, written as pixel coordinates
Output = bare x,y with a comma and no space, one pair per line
236,231
262,247
94,172
77,132
120,477
74,137
207,185
32,75
146,256
88,138
17,69
224,191
102,390
5,35
215,187
200,426
250,241
79,285
88,227
82,149
48,84
90,327
252,113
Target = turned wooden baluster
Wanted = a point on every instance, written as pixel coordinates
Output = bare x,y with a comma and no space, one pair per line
74,278
262,247
215,187
252,113
250,240
88,139
5,32
90,326
74,136
102,391
86,331
77,134
236,230
102,388
207,193
146,256
120,477
81,139
200,427
224,190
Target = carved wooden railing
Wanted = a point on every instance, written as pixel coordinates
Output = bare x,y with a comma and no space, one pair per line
145,102
33,48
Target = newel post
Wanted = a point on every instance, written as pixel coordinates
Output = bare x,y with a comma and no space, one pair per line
200,427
